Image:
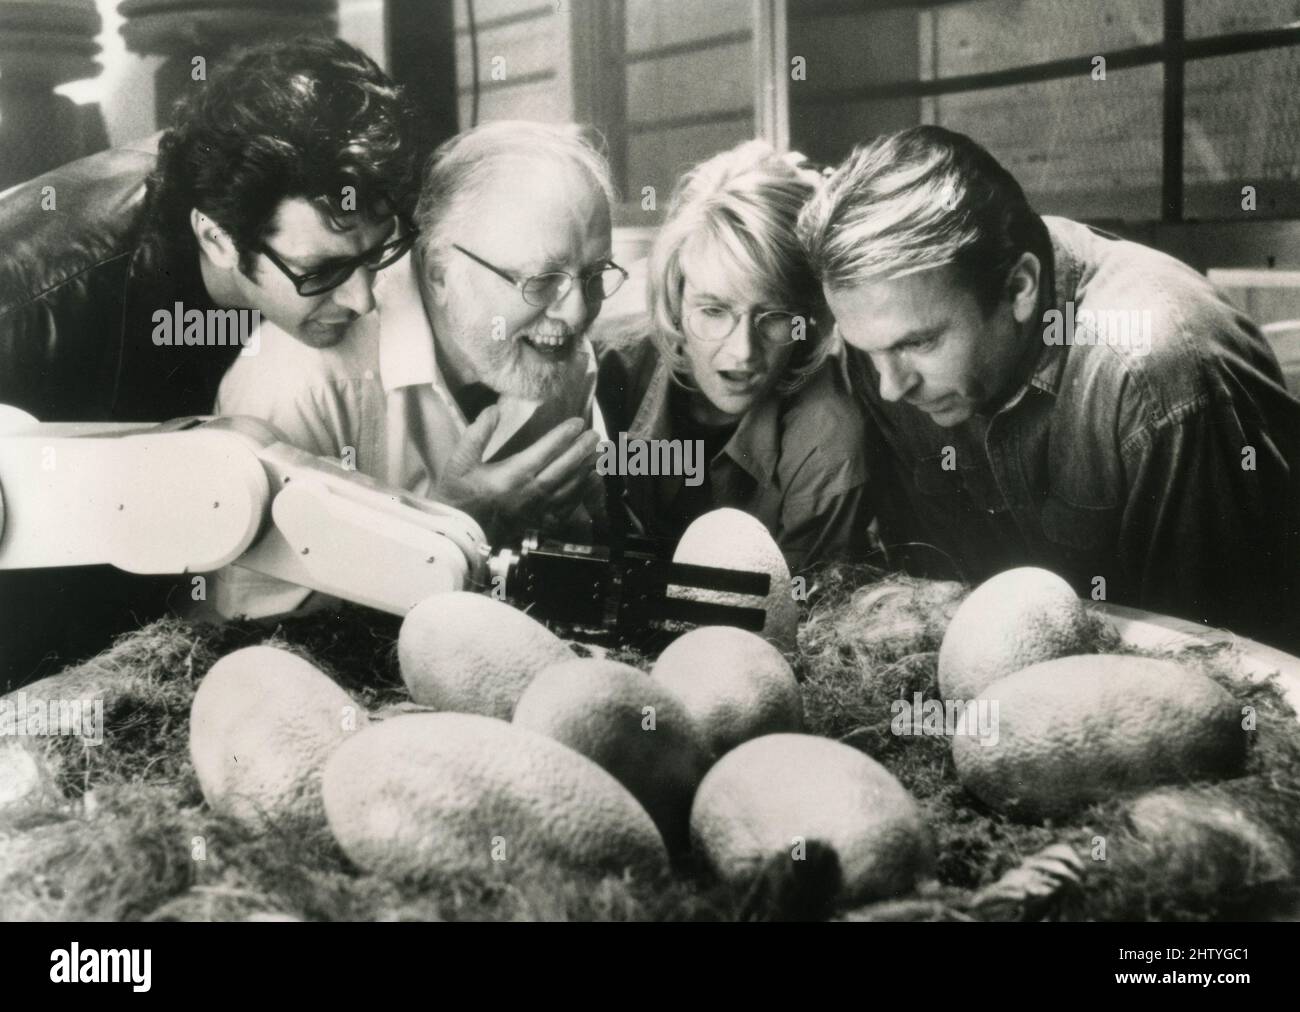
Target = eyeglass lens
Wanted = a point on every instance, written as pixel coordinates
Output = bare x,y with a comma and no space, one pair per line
543,289
712,323
380,258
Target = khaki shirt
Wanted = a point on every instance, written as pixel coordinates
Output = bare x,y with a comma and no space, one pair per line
1152,461
795,462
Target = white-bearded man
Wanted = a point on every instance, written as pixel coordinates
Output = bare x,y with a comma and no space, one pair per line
472,382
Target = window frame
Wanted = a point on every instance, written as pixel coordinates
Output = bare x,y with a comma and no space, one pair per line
1173,52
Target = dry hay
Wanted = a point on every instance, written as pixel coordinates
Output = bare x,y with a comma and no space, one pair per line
127,835
864,648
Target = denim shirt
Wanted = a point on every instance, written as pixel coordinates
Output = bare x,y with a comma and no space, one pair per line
1158,468
795,462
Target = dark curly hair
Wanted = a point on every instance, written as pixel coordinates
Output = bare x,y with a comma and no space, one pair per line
301,117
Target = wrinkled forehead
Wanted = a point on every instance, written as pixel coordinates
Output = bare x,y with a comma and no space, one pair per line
874,314
542,210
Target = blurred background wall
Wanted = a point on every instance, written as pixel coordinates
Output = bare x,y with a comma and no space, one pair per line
77,76
1173,121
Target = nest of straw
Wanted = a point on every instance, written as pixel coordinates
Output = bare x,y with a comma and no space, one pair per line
122,831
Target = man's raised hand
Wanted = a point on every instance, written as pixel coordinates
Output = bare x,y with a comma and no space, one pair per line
547,479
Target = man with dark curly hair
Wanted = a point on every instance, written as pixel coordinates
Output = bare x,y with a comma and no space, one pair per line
287,182
472,382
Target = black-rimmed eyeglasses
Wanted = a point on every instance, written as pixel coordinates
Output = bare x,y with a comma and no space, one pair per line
546,288
326,279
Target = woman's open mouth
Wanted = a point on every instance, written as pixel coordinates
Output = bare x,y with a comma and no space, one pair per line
737,382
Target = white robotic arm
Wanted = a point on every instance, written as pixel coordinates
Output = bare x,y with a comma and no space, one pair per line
193,495
196,494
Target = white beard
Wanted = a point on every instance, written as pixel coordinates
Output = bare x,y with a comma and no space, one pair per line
514,369
511,368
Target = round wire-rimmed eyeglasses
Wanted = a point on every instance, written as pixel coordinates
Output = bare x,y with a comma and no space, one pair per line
544,289
713,324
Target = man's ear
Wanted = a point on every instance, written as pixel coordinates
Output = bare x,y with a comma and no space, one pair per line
435,275
214,241
1022,286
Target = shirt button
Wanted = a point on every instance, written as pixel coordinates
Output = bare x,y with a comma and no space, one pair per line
370,374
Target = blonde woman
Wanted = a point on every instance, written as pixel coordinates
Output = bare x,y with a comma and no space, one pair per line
732,361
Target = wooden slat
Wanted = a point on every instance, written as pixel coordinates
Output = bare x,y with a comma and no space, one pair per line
514,81
1254,278
1243,128
653,23
694,83
829,140
668,124
848,51
538,101
974,38
1221,200
1256,243
807,10
1215,17
771,73
658,159
695,45
528,48
598,85
489,14
1076,146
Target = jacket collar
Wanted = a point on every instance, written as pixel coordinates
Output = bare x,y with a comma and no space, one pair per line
406,352
753,446
1066,270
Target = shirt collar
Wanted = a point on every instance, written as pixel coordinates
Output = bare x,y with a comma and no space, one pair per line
408,358
1067,269
1049,366
755,443
753,446
406,352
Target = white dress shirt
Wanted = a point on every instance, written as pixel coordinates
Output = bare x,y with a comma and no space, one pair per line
377,401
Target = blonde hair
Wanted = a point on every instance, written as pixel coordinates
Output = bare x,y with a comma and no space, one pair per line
920,199
745,204
463,167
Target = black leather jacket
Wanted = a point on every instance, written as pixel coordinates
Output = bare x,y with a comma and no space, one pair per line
78,291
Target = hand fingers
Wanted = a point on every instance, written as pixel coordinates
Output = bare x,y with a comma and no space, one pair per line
469,451
558,488
569,494
519,468
586,488
574,462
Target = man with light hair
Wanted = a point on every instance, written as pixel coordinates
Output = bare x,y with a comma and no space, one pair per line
1156,466
472,382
